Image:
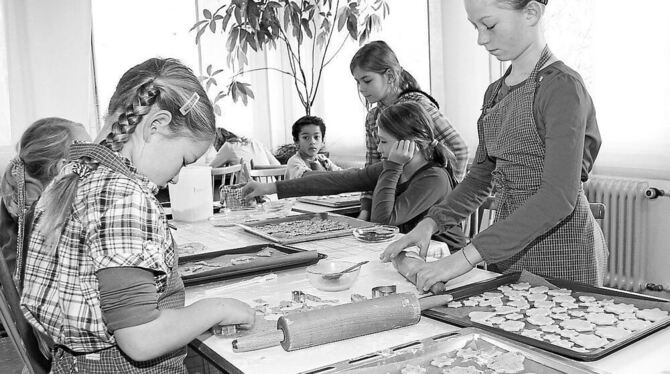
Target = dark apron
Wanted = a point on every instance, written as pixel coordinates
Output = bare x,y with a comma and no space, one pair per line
508,131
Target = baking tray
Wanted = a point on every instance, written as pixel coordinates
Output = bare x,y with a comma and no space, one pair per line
333,201
256,227
459,316
283,257
423,352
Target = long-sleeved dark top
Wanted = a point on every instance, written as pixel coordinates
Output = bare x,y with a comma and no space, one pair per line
393,203
564,114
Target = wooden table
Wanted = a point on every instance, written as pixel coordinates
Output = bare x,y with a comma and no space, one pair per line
646,356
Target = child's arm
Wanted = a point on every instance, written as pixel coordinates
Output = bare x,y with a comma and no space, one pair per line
425,190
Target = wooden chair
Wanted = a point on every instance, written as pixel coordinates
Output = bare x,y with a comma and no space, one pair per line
227,175
268,175
19,330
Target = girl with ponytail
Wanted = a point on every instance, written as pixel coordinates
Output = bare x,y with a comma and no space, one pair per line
382,81
101,274
415,173
41,151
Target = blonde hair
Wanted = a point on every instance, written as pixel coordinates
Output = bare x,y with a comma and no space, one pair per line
164,83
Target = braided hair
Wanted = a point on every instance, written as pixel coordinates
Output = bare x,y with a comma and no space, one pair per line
163,83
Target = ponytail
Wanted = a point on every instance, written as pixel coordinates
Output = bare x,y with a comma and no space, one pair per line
407,82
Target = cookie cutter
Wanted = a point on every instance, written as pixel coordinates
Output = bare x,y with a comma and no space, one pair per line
298,296
381,291
227,330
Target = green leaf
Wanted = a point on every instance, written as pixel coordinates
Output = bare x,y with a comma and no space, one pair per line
199,34
197,24
217,110
232,39
245,100
209,84
238,16
213,81
250,93
305,26
218,17
322,38
342,15
224,23
352,26
287,17
212,26
252,41
325,25
234,91
209,70
207,13
217,72
219,96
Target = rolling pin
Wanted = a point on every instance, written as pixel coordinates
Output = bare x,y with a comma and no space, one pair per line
407,262
340,322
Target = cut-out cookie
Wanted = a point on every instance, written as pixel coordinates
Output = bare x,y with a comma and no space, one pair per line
540,320
589,341
634,324
577,325
612,333
652,315
602,319
510,325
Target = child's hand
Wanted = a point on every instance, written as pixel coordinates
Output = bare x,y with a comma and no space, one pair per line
253,189
402,151
237,313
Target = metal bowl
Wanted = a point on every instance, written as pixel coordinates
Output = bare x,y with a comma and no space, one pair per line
315,275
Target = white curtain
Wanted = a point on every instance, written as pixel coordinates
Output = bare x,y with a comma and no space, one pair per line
48,49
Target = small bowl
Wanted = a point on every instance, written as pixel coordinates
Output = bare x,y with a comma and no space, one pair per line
376,234
281,207
315,275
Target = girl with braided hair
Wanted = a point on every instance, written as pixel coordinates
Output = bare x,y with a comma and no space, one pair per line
101,272
415,173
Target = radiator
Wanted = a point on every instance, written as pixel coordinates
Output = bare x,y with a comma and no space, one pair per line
624,226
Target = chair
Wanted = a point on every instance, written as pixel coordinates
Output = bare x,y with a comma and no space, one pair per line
268,175
482,218
228,175
18,328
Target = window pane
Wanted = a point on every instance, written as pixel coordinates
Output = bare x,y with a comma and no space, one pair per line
621,49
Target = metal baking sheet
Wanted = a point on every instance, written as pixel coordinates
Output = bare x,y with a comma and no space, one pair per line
459,316
422,353
255,227
283,257
333,201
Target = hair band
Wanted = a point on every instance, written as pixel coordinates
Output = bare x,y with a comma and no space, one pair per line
433,143
81,169
190,103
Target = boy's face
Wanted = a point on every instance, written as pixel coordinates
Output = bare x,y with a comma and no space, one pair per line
310,140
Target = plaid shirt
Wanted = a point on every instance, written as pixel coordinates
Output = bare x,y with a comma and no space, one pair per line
444,133
115,221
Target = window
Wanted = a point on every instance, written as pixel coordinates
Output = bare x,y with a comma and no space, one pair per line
5,128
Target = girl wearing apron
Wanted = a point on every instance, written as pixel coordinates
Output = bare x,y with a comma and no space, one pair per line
538,138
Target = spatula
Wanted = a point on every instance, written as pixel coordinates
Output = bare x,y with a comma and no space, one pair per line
337,275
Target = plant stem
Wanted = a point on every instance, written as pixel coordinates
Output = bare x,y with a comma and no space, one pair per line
266,68
325,50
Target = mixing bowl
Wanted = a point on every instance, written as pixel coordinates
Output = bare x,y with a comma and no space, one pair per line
315,275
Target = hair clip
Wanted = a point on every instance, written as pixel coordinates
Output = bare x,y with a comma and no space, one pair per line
81,169
433,143
190,103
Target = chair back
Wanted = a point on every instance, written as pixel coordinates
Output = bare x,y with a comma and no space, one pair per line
268,175
225,176
19,330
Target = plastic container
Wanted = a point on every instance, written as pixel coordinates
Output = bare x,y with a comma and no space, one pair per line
375,234
191,198
315,275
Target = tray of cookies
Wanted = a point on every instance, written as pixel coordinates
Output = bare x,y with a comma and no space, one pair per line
305,227
469,350
334,201
231,263
572,319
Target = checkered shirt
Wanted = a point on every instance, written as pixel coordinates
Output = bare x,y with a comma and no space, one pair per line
115,221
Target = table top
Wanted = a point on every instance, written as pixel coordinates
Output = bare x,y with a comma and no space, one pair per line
648,355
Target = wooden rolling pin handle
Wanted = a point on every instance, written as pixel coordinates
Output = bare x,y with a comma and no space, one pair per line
430,302
437,288
258,341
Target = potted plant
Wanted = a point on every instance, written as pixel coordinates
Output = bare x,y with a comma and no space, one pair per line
306,29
